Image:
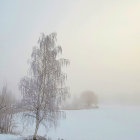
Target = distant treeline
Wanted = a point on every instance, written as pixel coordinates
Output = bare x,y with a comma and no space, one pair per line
86,100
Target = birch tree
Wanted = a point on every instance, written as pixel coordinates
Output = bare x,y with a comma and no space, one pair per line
44,88
7,123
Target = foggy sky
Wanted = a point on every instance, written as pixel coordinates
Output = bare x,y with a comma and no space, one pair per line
101,38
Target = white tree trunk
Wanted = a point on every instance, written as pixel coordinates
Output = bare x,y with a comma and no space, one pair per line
36,129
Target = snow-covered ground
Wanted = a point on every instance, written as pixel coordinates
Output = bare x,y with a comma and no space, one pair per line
9,137
105,123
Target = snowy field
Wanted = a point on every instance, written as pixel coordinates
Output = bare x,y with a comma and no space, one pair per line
105,123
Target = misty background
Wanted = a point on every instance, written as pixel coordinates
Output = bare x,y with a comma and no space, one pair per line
100,38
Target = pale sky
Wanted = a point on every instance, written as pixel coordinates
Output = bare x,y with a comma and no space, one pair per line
101,38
